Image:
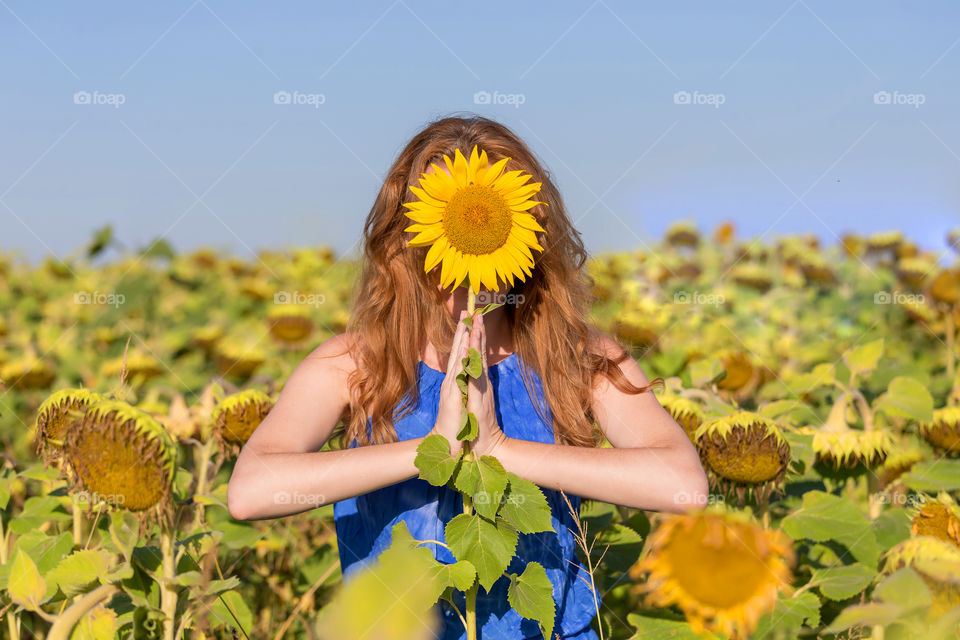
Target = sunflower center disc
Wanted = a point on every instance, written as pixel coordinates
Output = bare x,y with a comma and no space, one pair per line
477,220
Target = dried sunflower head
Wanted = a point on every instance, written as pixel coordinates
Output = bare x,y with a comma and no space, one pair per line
752,275
938,518
744,452
722,570
740,371
945,287
683,234
842,451
943,431
290,324
57,415
237,416
27,372
122,456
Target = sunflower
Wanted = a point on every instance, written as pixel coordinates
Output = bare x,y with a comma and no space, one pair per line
938,518
123,456
744,451
57,415
842,451
722,570
290,324
944,431
476,221
237,416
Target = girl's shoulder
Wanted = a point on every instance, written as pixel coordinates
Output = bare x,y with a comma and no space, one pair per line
330,364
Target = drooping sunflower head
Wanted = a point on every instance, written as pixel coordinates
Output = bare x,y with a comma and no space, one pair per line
57,415
122,456
722,570
476,219
898,463
943,431
237,416
744,451
290,324
683,234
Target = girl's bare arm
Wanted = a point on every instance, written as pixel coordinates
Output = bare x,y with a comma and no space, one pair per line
652,466
280,470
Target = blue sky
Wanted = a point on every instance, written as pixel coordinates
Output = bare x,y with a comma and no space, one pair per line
784,130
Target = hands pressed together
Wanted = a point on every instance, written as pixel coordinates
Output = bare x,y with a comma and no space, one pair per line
480,399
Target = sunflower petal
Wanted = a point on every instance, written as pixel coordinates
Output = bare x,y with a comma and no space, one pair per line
435,254
426,197
494,171
527,221
459,169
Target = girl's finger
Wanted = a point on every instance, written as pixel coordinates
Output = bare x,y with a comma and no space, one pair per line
455,347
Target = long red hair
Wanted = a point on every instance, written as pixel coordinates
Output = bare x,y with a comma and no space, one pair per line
398,307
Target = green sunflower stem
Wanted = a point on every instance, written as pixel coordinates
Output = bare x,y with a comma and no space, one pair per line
202,458
168,592
77,524
951,336
470,595
11,616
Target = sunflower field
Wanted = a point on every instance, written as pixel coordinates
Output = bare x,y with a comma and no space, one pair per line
819,384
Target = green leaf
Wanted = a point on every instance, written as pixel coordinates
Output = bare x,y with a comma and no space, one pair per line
705,372
26,586
823,517
469,428
36,511
487,308
906,398
473,364
891,527
485,481
839,583
525,507
434,461
869,614
79,569
865,357
933,476
459,575
229,610
906,588
487,545
650,628
788,616
531,594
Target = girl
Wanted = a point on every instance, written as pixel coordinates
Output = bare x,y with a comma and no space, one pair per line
552,389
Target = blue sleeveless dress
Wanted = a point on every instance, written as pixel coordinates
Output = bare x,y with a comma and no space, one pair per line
364,523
